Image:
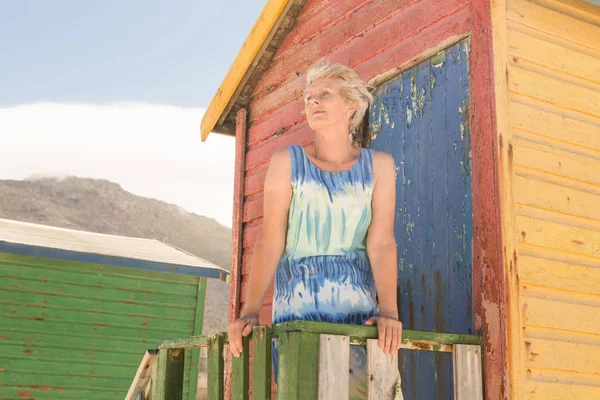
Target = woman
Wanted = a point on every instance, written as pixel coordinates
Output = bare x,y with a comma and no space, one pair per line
328,227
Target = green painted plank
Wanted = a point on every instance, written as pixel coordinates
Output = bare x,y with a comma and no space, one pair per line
147,336
71,368
167,375
187,342
92,317
215,368
298,366
261,363
44,378
359,332
122,308
80,273
240,372
67,341
53,393
143,298
198,323
33,353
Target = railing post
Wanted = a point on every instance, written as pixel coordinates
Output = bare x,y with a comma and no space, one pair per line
298,366
334,364
167,375
383,372
261,363
240,372
467,372
215,368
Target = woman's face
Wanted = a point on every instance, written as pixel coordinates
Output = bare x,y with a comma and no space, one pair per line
324,105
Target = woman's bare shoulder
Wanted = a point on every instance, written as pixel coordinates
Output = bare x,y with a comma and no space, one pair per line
382,161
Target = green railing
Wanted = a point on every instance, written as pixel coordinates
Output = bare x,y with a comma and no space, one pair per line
313,363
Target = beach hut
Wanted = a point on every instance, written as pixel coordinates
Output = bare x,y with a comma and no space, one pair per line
79,309
491,111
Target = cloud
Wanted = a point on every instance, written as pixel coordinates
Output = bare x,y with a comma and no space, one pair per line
150,150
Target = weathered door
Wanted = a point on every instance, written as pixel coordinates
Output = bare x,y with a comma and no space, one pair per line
422,119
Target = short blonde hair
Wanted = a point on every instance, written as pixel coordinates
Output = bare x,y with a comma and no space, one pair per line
352,89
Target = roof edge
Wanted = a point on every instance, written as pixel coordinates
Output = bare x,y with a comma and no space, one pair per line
268,20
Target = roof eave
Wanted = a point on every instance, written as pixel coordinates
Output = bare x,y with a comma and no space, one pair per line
272,25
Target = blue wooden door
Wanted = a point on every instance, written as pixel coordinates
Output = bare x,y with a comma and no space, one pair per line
421,118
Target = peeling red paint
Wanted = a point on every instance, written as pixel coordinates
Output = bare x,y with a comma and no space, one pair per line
25,394
59,390
28,351
3,337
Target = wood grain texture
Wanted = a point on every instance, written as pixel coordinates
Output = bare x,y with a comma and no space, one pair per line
382,372
467,373
261,363
298,366
240,373
215,368
334,364
167,375
142,376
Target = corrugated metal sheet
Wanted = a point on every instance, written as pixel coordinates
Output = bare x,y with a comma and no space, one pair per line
77,331
551,160
48,241
422,119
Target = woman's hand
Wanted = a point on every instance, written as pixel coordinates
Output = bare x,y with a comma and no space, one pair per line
239,328
390,333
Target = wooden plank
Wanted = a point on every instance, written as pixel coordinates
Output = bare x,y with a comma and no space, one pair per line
240,372
468,383
237,226
554,24
559,274
298,366
538,119
334,364
167,375
554,91
215,368
142,376
565,356
559,311
261,363
553,56
560,391
195,352
383,372
556,198
558,235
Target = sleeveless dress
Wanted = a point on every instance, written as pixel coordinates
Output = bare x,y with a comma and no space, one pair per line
324,273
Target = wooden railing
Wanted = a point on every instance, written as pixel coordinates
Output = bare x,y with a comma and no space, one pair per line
313,363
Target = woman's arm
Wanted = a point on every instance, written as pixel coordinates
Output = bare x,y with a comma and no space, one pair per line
269,246
381,248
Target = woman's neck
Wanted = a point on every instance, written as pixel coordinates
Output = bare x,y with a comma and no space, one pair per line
334,148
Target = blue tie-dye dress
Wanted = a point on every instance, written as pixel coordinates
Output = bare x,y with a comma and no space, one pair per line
324,273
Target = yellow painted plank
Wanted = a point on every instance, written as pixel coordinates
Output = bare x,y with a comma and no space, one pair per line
558,127
556,161
554,23
558,236
561,355
553,56
559,275
557,391
556,197
560,315
554,91
257,37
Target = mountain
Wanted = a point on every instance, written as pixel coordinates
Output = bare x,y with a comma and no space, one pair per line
102,206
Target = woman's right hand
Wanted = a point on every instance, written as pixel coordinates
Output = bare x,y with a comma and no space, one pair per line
239,328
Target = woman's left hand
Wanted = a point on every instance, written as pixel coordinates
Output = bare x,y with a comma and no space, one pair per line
390,333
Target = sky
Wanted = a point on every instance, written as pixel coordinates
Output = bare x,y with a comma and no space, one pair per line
116,90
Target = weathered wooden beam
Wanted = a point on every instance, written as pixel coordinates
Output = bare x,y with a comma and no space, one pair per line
298,366
215,368
261,363
334,366
167,375
383,372
240,372
142,376
185,343
468,384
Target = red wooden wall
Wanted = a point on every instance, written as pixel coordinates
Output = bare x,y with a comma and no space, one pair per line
372,37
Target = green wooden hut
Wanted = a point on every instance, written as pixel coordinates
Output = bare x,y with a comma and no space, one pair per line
78,308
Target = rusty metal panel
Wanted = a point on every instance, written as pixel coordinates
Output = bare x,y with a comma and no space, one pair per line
421,118
78,331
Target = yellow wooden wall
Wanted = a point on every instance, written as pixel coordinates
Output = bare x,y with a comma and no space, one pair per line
547,93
